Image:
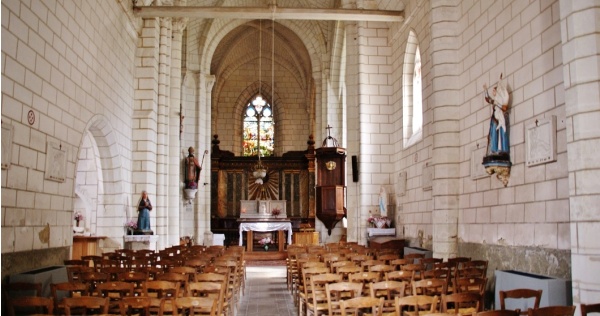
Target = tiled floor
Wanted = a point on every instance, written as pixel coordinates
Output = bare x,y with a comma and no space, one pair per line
266,293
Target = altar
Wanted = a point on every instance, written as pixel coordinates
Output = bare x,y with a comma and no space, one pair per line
265,225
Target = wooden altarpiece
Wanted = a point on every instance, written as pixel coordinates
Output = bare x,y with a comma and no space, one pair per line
290,177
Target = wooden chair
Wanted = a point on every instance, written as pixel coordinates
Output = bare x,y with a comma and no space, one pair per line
506,312
74,272
366,278
335,266
398,263
387,257
66,289
164,291
92,279
85,305
382,269
524,295
341,290
353,305
371,262
466,303
430,287
215,290
180,279
415,305
113,272
30,305
552,311
135,278
115,291
317,304
417,269
402,276
190,272
429,263
472,269
388,290
195,306
590,308
345,271
303,290
139,305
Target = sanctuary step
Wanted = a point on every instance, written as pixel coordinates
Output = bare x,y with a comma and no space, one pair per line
265,255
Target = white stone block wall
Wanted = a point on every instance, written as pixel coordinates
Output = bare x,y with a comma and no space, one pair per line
414,206
56,64
521,41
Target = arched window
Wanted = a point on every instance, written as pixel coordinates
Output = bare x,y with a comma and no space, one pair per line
258,110
412,105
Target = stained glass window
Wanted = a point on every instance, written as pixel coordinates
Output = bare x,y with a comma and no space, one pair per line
258,109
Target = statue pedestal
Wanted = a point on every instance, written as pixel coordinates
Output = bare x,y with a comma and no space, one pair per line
140,242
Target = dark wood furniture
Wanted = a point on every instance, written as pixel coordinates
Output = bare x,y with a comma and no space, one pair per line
385,242
331,184
290,177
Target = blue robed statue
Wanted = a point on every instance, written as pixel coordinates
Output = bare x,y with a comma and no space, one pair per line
144,208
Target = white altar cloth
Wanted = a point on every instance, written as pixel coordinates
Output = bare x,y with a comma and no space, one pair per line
266,227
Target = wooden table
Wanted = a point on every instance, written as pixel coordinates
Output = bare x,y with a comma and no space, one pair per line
85,246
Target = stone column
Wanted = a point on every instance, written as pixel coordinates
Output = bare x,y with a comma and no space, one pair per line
170,222
356,222
580,42
446,141
175,188
145,121
206,84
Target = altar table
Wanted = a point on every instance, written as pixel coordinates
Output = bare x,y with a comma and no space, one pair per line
265,226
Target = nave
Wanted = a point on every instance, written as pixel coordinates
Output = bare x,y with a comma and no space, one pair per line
266,293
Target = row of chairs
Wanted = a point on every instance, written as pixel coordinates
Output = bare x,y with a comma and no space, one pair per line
222,278
83,305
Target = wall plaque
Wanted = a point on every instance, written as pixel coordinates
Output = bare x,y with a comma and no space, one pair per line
540,141
56,162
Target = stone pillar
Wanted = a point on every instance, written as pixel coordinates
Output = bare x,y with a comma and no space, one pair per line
446,141
175,188
206,83
579,26
356,222
145,121
170,222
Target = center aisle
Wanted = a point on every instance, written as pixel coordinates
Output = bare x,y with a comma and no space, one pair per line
266,293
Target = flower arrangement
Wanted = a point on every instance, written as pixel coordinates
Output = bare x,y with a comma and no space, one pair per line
381,222
132,224
275,212
77,216
265,241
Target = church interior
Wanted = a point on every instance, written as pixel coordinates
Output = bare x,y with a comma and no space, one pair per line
456,128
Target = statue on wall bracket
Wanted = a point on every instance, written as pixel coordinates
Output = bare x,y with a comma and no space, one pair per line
497,157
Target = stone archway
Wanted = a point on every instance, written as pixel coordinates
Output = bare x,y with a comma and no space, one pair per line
100,191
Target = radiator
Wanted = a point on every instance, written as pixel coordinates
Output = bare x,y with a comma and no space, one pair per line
554,291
